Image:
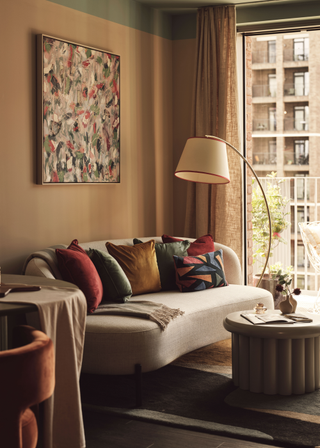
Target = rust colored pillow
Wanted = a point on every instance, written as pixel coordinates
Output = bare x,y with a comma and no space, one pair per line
74,245
139,263
200,246
76,267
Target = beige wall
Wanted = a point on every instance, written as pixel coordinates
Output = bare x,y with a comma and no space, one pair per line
33,216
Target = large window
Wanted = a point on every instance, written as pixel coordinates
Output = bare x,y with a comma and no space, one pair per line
283,137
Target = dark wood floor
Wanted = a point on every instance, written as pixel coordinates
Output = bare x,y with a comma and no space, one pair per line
120,432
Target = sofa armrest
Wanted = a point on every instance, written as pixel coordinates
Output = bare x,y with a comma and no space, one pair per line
39,268
231,264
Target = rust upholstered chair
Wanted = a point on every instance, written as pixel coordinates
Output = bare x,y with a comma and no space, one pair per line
26,379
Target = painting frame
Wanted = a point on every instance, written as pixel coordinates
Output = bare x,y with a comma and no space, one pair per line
78,113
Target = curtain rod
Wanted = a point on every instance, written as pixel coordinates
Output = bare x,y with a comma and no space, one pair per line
269,27
246,3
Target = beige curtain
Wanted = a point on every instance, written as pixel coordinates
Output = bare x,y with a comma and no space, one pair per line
217,209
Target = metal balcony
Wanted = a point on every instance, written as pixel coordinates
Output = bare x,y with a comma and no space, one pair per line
264,158
263,90
304,205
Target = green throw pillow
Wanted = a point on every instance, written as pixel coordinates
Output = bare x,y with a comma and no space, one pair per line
165,253
116,286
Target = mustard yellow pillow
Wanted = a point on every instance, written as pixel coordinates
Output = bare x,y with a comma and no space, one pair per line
139,263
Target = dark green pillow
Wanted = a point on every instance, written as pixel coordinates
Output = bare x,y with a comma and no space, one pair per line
165,253
116,286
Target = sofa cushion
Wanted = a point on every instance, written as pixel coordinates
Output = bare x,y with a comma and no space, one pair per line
76,267
201,272
116,286
114,344
139,263
164,253
200,246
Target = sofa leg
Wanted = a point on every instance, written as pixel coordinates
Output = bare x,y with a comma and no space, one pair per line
138,379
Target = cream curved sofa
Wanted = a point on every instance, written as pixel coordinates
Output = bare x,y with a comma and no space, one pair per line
114,345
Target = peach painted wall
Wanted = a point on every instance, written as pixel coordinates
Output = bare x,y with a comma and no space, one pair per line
32,216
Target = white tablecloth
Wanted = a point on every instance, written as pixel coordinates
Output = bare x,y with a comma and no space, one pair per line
61,315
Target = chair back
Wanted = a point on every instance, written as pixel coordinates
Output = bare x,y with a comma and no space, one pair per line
27,377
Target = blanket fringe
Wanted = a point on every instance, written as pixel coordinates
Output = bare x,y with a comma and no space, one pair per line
164,315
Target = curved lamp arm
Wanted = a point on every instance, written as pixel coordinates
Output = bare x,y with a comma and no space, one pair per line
265,200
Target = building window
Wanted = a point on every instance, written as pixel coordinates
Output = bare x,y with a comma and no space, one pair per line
301,118
272,51
301,152
272,119
301,49
272,85
300,255
301,83
272,152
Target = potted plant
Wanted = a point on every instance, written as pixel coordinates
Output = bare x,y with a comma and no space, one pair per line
260,226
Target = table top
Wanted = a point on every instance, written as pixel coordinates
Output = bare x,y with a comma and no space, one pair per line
7,309
235,323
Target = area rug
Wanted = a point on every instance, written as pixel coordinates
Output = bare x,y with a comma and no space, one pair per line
196,392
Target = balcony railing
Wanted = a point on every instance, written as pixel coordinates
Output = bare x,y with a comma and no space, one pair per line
292,90
264,158
263,57
290,56
263,90
264,124
295,124
304,205
290,158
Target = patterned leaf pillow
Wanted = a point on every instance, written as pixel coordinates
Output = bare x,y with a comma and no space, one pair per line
200,272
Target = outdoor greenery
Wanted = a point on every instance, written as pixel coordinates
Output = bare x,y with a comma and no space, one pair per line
260,224
283,277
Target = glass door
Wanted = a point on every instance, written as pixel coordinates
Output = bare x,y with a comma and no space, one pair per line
272,85
299,84
301,116
272,51
272,119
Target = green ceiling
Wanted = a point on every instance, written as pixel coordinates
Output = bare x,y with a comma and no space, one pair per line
135,15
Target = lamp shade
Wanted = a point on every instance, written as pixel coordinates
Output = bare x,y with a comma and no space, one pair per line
204,160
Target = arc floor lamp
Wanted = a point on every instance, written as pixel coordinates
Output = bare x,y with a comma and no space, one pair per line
204,160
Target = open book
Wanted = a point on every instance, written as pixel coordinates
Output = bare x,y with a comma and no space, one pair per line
260,319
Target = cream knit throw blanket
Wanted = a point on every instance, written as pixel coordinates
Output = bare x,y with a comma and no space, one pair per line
157,312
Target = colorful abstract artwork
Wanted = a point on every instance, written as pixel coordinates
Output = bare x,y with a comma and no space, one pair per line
80,113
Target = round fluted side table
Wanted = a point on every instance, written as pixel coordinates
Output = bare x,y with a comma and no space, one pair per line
275,358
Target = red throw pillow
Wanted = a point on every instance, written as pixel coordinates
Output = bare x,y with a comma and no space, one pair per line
200,246
75,246
76,267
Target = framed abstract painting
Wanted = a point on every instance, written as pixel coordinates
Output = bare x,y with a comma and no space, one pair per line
78,114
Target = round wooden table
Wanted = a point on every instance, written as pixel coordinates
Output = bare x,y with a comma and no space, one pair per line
275,358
